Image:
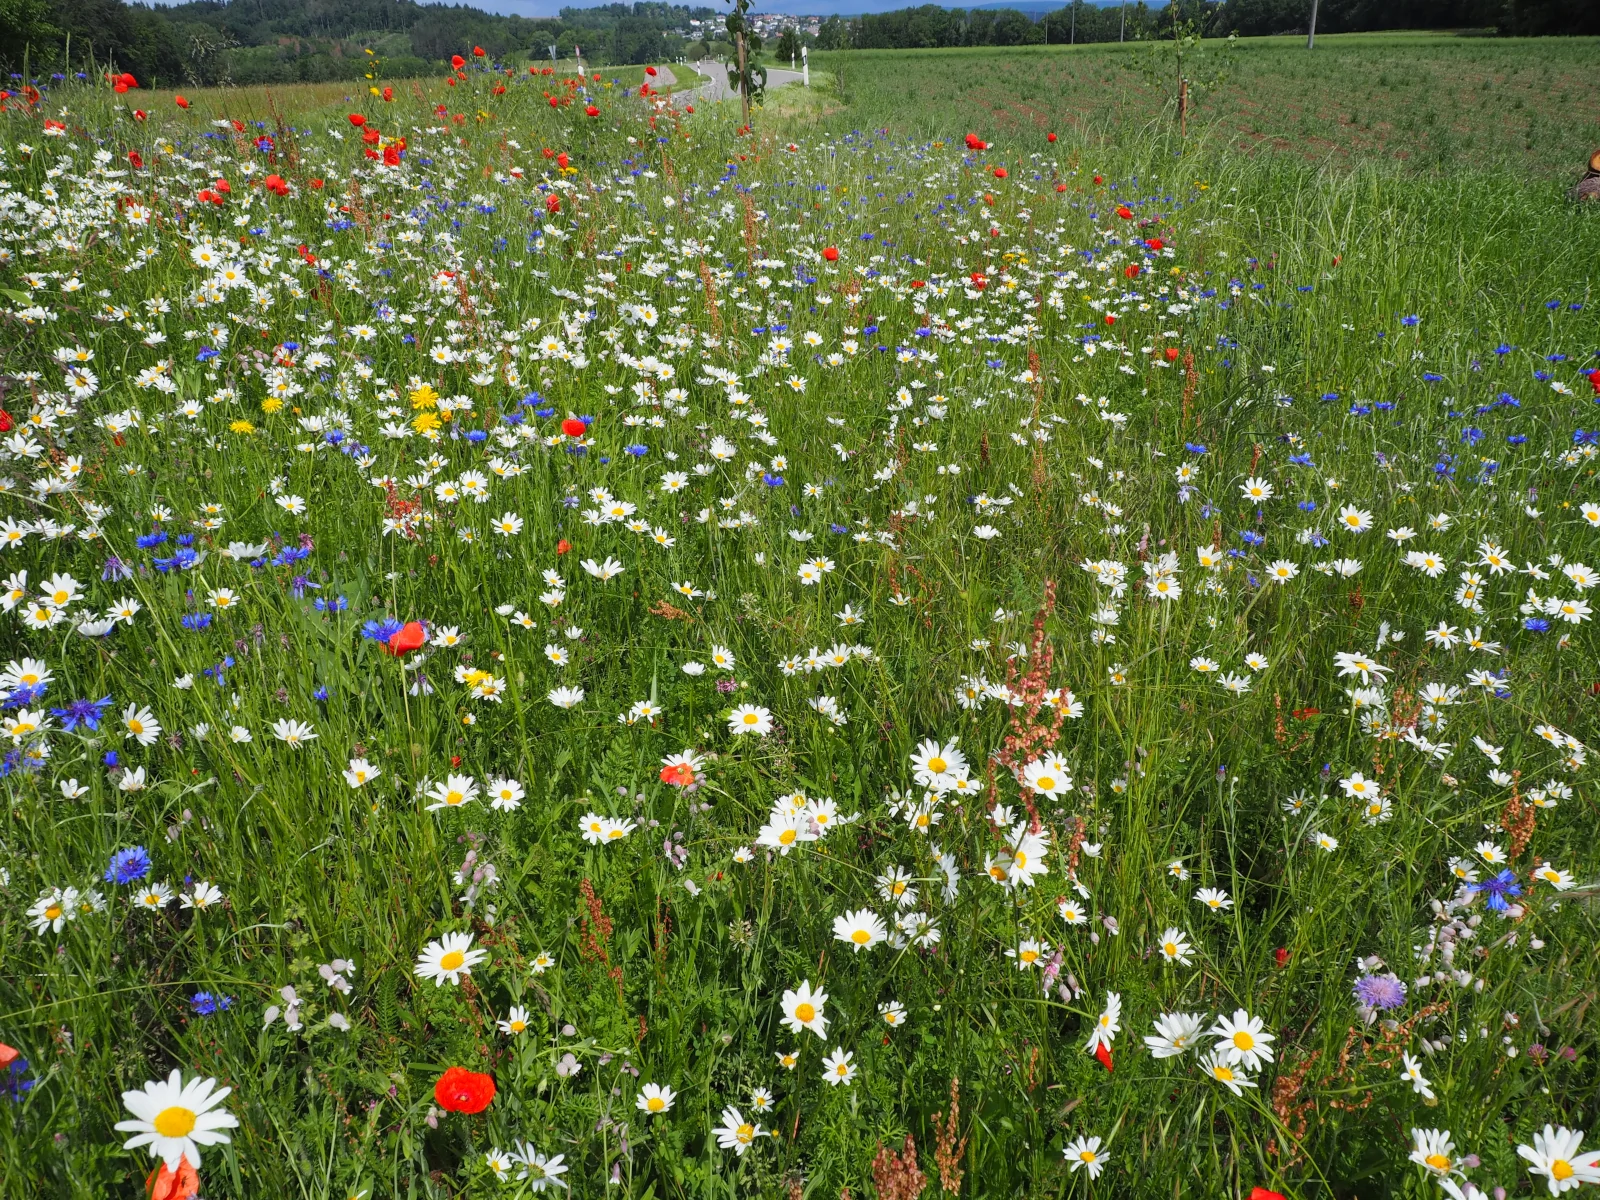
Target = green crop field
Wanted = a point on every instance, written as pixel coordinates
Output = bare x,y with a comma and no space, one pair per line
974,640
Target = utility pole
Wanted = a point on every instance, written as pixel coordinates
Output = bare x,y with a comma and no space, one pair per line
1311,38
1122,34
1074,36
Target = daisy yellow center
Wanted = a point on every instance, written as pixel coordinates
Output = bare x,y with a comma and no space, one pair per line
842,1069
805,1013
937,765
787,837
746,1133
1029,956
898,888
751,718
656,1104
861,937
454,798
1046,783
1022,860
1244,1040
54,912
1086,1155
452,961
1171,948
1439,1162
174,1122
518,1026
1224,1074
135,726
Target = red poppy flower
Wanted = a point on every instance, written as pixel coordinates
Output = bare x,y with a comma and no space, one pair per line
563,546
276,184
552,204
457,61
1111,319
1131,270
139,114
592,110
463,1091
477,52
357,120
317,184
7,1053
918,283
238,125
573,427
1171,353
1061,187
831,254
562,160
1049,137
650,71
689,108
1281,956
135,160
404,640
1261,1193
222,186
166,1184
180,102
1102,1054
388,95
1155,243
1124,212
999,172
679,775
1594,380
1098,179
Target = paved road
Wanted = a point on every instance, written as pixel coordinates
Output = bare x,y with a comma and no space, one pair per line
718,88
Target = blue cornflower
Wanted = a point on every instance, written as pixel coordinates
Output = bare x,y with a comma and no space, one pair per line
128,866
476,435
1536,625
771,480
636,450
205,1003
82,712
1498,887
196,621
1472,435
381,630
14,1084
1411,320
1307,506
320,694
1194,447
148,541
337,604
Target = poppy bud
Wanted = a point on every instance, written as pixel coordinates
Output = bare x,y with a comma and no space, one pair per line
1050,137
1281,957
1098,179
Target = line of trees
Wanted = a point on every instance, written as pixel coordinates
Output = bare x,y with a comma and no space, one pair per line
275,41
928,26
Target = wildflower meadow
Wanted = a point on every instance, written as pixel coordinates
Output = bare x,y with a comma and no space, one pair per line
555,643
